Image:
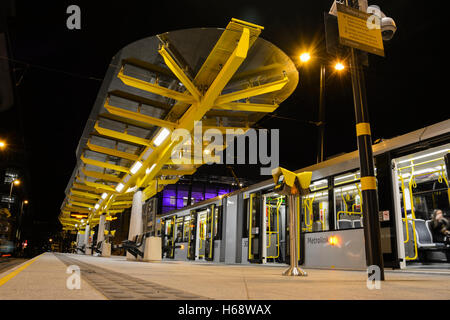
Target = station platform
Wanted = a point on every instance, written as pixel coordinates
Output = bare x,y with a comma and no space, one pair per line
115,278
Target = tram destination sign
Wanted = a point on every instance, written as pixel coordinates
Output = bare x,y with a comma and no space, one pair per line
354,30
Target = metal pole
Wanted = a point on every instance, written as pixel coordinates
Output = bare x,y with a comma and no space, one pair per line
293,270
372,235
321,114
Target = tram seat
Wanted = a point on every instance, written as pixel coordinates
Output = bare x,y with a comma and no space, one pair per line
345,224
424,236
357,223
134,246
317,226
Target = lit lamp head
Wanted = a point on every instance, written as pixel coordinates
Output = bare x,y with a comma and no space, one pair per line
339,66
305,57
291,183
2,144
16,182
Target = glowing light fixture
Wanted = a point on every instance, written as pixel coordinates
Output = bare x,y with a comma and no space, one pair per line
104,195
2,144
425,155
339,66
162,135
333,240
120,187
97,206
305,57
136,166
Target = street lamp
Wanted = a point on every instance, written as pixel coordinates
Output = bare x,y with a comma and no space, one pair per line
18,234
13,183
2,145
339,66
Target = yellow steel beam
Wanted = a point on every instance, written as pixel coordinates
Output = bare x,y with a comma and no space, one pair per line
80,199
101,176
114,211
85,194
103,164
226,73
139,117
249,107
83,187
128,196
121,203
121,136
154,88
81,204
100,186
176,69
112,152
77,210
252,91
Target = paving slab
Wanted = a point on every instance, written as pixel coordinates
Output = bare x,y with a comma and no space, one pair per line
220,281
44,279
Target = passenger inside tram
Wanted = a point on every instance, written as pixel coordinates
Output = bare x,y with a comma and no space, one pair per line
440,227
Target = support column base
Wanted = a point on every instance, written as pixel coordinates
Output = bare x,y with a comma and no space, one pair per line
295,271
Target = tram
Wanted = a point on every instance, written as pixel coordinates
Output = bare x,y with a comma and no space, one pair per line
251,225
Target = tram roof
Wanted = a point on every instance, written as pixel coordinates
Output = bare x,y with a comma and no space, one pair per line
345,162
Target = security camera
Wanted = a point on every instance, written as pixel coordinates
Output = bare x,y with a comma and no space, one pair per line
388,28
387,24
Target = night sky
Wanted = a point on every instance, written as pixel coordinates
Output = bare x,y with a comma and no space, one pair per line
62,72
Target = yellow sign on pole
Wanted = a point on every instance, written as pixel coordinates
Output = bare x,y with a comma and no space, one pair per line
358,30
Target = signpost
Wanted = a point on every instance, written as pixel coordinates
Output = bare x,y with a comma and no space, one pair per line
357,31
354,30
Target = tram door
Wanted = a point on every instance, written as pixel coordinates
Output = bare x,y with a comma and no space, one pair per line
274,225
255,228
168,228
192,235
201,234
209,237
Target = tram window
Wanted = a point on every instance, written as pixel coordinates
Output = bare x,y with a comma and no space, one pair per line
245,219
187,219
423,183
179,230
218,223
347,201
315,212
347,178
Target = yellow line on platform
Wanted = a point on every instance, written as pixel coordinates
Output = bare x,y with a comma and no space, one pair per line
11,275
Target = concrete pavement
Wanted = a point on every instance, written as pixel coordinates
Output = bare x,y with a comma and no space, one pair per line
46,279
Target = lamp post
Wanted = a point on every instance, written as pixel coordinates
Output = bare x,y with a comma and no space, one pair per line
13,183
338,66
19,232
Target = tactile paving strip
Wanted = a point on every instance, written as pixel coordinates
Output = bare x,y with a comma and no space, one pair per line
120,286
